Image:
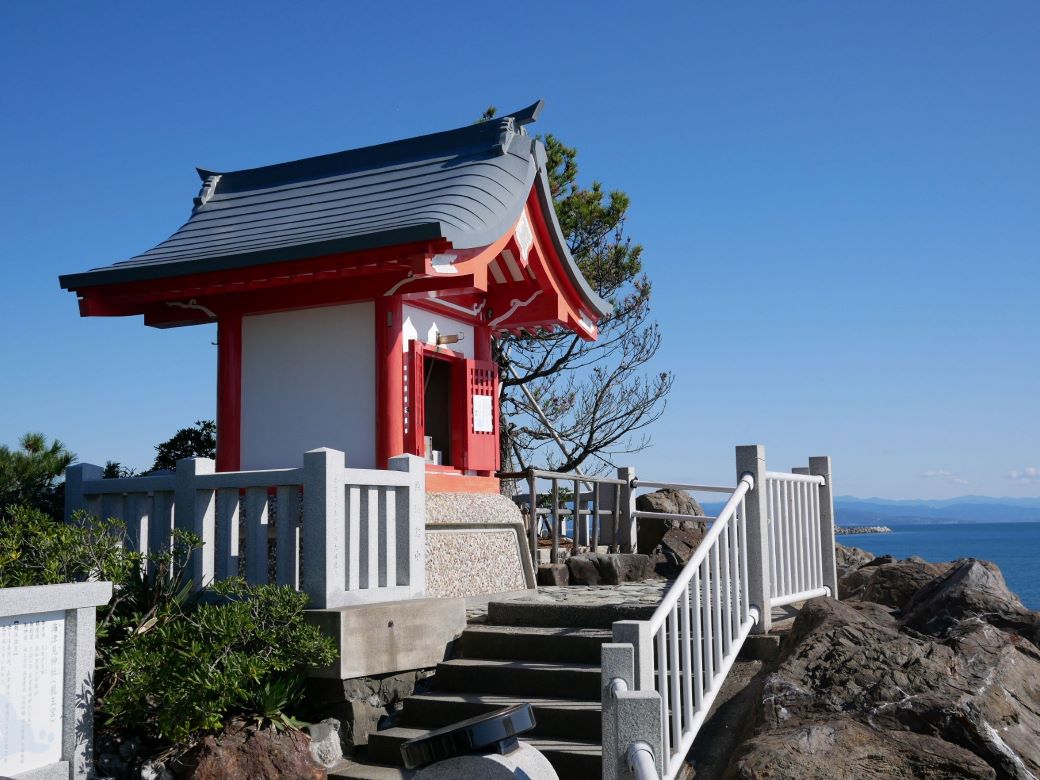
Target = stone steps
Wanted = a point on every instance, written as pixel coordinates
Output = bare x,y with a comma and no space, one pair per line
519,678
550,644
546,653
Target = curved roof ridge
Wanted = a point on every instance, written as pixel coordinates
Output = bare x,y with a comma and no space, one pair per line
474,137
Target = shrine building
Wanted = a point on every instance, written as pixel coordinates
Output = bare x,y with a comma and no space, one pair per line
356,296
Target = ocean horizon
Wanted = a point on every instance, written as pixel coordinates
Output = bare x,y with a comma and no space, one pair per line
1011,546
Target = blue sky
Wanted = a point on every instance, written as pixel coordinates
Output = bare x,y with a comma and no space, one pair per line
839,203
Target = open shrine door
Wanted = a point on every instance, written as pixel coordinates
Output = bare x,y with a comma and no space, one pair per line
452,417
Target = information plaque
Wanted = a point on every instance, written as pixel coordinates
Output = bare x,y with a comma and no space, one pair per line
32,661
483,415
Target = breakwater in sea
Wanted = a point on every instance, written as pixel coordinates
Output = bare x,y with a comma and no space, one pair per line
862,529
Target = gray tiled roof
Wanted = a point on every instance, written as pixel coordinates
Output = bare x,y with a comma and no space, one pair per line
467,186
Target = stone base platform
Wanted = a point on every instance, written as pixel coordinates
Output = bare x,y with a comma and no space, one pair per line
391,636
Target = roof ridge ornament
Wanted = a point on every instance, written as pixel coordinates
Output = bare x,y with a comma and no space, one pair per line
209,186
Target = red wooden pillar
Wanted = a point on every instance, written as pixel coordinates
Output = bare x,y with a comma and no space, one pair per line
481,342
389,380
229,392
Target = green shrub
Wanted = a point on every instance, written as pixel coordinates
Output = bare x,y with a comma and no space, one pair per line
35,549
198,666
172,664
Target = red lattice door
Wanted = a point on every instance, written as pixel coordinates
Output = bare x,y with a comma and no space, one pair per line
476,423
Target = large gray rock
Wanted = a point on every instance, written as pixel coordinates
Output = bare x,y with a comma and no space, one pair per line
894,583
972,688
553,574
612,569
325,746
970,590
844,749
651,530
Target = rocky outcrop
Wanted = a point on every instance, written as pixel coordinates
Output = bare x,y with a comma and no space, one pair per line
931,670
248,752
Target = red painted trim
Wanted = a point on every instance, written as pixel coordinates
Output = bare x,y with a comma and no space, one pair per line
431,305
405,256
229,392
389,380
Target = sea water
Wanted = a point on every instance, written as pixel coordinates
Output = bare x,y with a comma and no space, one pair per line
1014,547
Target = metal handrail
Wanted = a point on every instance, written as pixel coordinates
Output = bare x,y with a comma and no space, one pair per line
641,483
542,474
671,596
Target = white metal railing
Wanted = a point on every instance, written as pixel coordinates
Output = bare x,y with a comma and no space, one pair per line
699,627
795,547
596,512
345,536
772,544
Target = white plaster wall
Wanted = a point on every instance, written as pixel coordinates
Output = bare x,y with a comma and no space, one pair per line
308,380
425,325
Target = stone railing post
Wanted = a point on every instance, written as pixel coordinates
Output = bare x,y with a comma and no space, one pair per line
821,467
752,459
627,511
637,634
75,476
411,550
195,510
324,527
617,661
631,717
640,725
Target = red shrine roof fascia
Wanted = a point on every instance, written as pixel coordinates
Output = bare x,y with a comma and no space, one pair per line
461,219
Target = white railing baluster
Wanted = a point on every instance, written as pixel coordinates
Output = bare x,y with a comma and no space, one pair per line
727,605
687,657
389,574
226,563
709,642
287,540
696,643
256,527
662,688
674,674
353,519
372,518
716,612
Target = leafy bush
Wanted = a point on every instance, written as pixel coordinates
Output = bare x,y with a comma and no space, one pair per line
38,550
197,666
172,664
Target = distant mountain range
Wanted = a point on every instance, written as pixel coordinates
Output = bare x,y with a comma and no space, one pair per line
964,509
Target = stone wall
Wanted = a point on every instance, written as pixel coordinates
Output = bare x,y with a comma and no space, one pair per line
475,545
